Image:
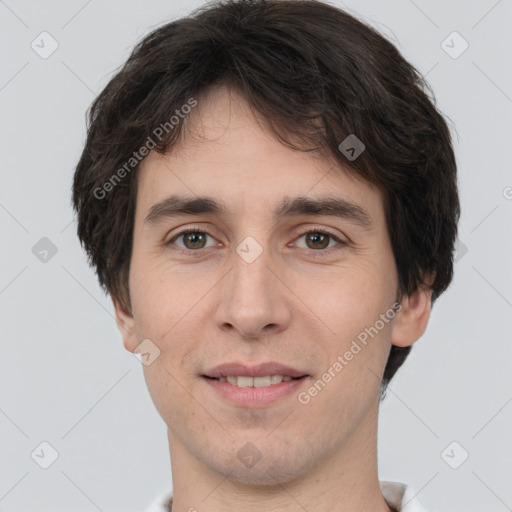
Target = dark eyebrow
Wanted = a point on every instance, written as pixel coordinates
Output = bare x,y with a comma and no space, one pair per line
335,206
174,206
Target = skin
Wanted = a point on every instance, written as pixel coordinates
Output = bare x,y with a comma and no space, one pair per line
286,306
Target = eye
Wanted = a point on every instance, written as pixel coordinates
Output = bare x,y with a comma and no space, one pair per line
193,240
319,240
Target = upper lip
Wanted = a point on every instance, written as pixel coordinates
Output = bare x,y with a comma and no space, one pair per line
259,370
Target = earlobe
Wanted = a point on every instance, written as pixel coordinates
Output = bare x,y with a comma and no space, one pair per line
126,325
411,321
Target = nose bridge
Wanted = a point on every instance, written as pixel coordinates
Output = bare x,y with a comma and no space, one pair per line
250,300
250,268
249,281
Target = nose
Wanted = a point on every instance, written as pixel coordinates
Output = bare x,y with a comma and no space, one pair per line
252,300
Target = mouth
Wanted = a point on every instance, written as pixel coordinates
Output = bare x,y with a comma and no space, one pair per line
246,381
255,392
246,386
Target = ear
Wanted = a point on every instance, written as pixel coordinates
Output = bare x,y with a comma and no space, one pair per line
411,320
126,324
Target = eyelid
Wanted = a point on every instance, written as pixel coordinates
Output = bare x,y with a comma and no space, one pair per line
321,229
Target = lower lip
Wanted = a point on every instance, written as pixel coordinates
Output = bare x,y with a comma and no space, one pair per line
255,397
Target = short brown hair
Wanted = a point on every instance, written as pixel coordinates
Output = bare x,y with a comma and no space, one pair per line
317,75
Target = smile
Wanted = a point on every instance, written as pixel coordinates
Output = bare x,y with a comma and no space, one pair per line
255,392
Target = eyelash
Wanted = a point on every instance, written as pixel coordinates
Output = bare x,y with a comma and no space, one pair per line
198,252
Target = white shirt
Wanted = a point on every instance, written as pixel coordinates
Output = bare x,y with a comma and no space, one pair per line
398,496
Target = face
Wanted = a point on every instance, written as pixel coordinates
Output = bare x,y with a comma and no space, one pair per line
250,286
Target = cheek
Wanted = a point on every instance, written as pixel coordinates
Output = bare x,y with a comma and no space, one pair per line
349,306
350,295
161,296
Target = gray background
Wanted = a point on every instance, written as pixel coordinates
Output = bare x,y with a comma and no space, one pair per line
65,377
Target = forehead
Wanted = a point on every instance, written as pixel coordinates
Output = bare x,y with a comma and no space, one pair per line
227,151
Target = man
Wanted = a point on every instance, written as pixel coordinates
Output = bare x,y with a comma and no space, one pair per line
270,198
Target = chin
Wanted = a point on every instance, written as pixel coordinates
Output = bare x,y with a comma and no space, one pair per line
270,470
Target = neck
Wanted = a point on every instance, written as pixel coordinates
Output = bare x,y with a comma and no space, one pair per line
345,481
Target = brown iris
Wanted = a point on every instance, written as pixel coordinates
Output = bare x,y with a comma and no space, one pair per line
196,239
318,238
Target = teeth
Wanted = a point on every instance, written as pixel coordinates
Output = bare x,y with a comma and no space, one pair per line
244,382
258,382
